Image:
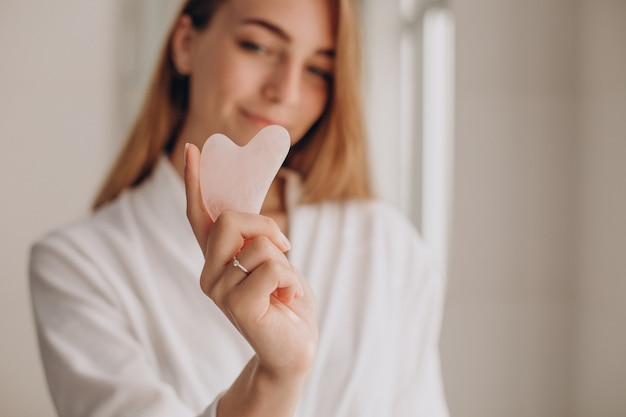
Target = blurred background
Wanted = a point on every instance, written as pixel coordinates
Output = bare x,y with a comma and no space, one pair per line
497,126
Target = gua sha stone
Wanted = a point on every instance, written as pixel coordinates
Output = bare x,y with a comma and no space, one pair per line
237,178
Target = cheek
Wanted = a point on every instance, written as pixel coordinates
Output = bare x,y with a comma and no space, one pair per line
315,103
236,81
220,78
310,110
211,94
203,87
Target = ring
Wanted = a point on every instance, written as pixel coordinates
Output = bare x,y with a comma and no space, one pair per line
239,265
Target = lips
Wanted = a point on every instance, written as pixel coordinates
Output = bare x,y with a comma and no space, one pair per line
260,121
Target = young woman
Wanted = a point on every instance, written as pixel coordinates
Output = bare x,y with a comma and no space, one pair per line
325,304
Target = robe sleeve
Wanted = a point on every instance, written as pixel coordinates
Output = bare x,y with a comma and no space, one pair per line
94,364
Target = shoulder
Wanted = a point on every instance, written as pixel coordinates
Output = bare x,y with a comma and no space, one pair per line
376,218
83,248
379,238
106,221
380,213
372,224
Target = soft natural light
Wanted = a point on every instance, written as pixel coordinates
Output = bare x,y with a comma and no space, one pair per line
408,126
438,128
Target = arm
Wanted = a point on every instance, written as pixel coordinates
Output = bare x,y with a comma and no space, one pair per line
272,306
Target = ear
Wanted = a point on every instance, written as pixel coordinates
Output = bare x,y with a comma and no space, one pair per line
181,45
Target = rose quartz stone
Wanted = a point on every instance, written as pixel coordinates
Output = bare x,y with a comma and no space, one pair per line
237,178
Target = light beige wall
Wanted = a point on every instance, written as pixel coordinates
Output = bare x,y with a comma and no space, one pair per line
57,100
508,333
534,322
601,358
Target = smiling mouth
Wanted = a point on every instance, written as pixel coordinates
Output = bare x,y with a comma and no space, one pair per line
259,121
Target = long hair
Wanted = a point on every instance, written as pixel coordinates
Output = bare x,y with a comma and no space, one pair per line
331,157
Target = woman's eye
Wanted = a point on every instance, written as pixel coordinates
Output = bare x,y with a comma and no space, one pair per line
253,47
321,73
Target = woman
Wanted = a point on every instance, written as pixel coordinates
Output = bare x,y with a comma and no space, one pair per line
123,327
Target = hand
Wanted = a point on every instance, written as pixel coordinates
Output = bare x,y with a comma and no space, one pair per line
272,306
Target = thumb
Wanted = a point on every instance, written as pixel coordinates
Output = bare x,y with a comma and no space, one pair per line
197,214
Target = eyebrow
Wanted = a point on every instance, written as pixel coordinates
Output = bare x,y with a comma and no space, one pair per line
282,34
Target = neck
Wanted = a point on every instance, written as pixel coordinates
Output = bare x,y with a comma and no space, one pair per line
275,201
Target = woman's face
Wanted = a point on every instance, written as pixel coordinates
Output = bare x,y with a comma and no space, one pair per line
259,63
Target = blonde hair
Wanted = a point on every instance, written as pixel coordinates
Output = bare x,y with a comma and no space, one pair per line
331,157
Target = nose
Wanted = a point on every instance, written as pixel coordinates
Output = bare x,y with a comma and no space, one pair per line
283,83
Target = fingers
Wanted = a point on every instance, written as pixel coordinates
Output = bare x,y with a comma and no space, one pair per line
248,298
227,238
232,230
270,273
196,212
266,259
274,279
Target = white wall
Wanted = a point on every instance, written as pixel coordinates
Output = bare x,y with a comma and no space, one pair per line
56,122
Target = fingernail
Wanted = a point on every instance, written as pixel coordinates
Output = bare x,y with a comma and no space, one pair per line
285,241
185,153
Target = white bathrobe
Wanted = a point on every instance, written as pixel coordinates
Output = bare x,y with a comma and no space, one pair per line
125,330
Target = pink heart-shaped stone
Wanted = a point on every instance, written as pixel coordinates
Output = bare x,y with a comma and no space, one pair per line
237,178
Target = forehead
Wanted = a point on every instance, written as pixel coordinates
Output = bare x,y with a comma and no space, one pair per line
305,22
